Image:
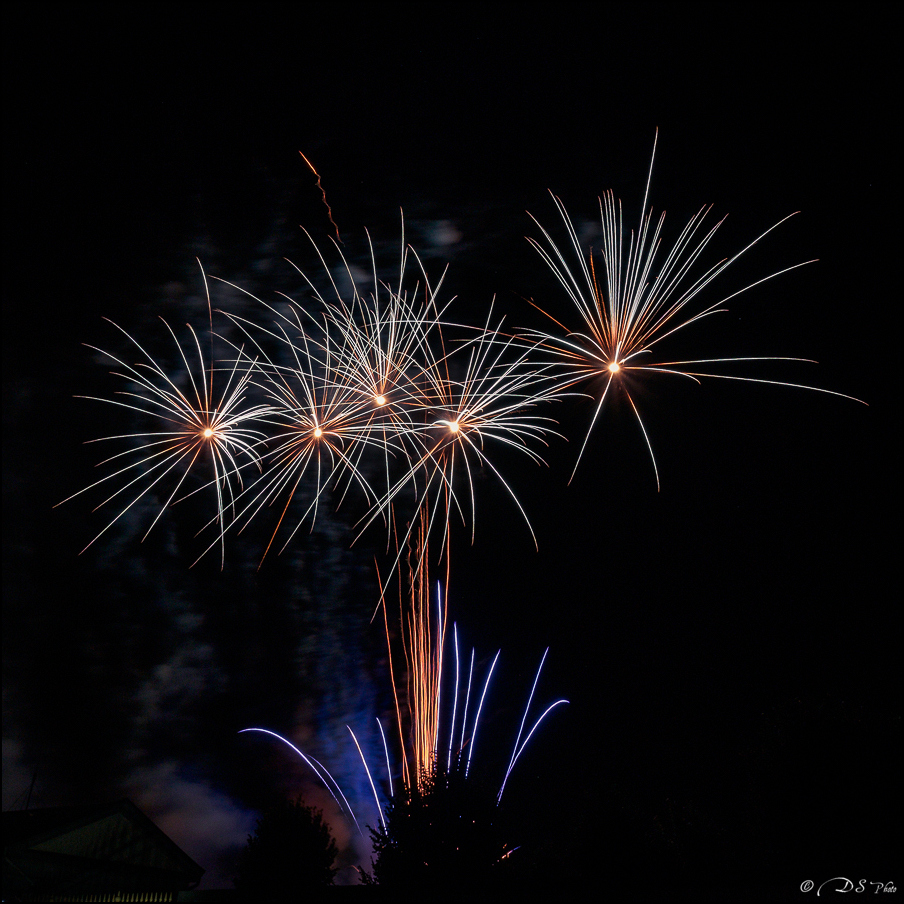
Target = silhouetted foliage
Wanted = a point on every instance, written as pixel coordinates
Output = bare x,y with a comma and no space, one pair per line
290,852
441,835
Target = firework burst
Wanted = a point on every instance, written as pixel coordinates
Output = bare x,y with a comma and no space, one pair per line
367,389
201,423
644,295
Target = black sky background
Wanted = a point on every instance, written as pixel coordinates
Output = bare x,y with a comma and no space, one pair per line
729,644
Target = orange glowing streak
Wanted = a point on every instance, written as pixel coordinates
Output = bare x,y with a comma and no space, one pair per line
421,637
329,211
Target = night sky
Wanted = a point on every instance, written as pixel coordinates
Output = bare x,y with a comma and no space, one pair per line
729,644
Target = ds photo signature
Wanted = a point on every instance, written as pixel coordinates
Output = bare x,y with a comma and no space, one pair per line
842,885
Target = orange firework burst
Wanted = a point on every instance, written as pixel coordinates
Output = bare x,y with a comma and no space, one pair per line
641,300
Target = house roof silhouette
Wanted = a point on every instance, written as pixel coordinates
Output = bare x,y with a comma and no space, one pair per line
102,852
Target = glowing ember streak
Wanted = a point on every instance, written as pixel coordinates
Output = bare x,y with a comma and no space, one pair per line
329,212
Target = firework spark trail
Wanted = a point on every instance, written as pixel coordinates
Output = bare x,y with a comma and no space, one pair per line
642,302
473,742
464,714
422,650
386,752
519,745
516,749
431,714
419,707
454,700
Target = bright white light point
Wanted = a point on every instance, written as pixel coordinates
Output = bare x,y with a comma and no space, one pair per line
208,433
454,427
614,367
318,432
380,400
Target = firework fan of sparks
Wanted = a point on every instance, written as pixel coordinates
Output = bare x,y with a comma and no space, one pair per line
422,651
203,422
643,297
422,758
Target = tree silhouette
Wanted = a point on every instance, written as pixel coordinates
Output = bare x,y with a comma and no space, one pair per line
290,852
443,834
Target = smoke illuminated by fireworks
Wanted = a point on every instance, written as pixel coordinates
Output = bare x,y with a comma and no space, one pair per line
641,300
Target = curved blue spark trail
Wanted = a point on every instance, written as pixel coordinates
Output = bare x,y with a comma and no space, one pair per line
477,717
311,762
386,751
369,778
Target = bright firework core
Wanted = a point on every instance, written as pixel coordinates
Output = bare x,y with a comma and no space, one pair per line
318,432
453,427
208,433
614,367
380,400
